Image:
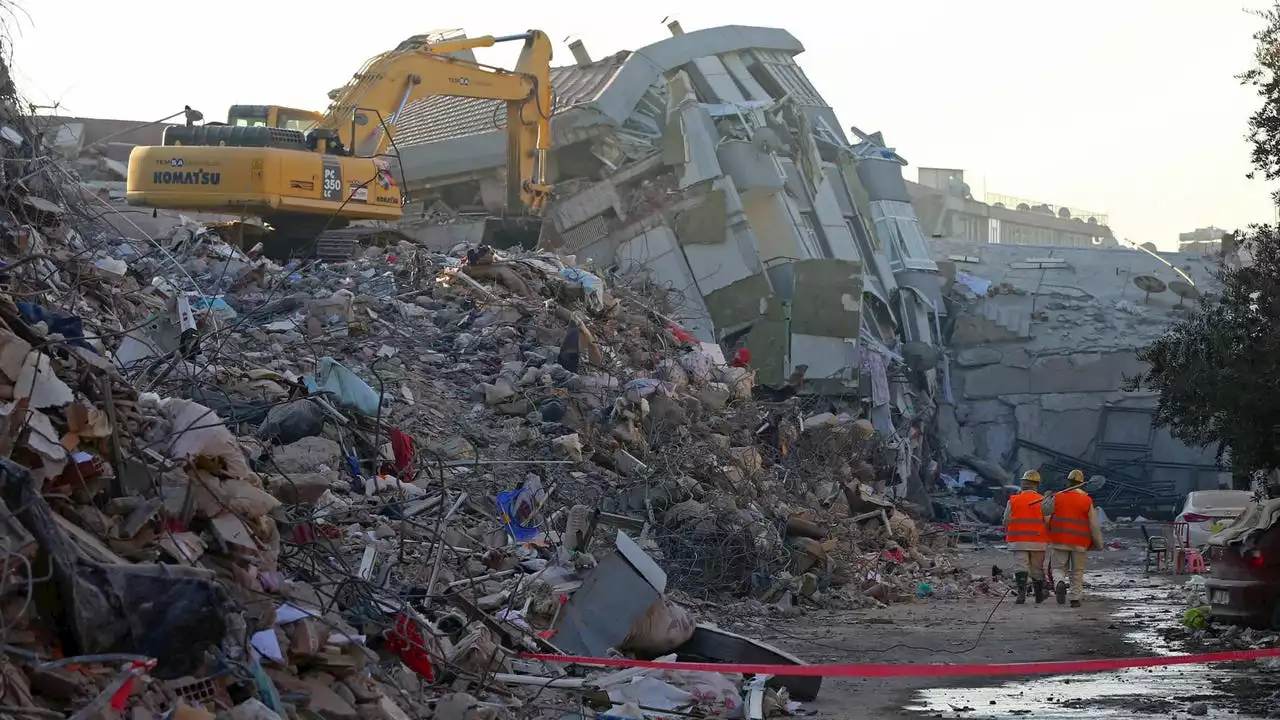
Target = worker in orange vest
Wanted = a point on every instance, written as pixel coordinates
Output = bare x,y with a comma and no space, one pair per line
1028,536
1074,529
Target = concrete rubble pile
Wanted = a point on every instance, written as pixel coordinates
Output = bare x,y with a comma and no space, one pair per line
372,488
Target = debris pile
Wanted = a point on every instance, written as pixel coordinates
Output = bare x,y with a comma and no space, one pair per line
372,488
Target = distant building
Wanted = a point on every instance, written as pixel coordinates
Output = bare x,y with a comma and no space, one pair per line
1201,240
946,208
98,148
71,136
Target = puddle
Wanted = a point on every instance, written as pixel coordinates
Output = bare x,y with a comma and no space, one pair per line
1133,693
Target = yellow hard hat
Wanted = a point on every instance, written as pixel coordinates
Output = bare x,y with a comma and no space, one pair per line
1075,477
1031,476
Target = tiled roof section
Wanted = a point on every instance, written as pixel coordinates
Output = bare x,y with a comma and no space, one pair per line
443,117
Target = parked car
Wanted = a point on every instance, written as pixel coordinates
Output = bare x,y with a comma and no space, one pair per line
1244,577
1207,511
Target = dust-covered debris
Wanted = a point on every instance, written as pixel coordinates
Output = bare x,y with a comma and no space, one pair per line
372,488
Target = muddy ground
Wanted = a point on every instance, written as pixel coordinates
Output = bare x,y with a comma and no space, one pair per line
1126,614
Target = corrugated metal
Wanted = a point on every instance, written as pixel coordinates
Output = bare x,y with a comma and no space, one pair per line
442,117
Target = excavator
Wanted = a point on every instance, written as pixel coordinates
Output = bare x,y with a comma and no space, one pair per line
305,174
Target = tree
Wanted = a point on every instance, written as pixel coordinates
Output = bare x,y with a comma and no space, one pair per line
1264,78
1218,369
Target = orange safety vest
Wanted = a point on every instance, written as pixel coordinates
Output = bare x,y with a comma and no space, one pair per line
1026,520
1070,522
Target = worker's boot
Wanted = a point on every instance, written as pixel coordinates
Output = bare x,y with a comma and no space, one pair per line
1060,592
1040,592
1020,578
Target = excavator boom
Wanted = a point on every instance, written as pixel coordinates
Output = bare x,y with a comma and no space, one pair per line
304,173
414,70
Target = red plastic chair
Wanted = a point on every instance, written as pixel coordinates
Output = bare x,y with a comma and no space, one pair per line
1195,561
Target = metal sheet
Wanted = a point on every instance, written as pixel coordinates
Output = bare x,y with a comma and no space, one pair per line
716,645
600,614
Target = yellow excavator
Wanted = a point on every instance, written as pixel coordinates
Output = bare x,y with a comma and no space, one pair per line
305,174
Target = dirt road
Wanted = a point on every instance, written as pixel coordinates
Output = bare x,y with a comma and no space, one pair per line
1126,614
936,630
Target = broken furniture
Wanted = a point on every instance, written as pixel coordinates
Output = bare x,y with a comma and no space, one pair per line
165,612
961,529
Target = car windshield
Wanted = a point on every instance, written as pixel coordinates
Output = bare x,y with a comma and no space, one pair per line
1219,499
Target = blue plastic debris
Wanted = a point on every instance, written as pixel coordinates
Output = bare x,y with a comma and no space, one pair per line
68,326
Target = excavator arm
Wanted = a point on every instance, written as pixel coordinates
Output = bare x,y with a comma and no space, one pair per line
419,69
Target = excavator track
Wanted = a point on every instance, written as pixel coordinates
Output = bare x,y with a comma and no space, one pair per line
300,243
304,237
345,243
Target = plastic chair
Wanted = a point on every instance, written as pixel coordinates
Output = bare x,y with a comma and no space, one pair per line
1181,534
1157,552
1195,561
961,528
1181,545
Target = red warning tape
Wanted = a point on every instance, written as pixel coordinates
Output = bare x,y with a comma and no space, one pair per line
1057,667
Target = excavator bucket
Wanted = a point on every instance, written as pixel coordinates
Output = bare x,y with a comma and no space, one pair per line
509,232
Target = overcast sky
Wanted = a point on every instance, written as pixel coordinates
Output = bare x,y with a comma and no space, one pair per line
1127,107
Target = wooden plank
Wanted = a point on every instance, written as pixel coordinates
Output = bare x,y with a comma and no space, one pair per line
91,546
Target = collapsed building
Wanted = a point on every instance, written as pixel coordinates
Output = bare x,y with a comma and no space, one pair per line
1042,339
707,162
531,405
98,148
1048,313
414,483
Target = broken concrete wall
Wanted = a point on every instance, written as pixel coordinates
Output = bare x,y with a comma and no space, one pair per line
729,148
1042,354
657,253
441,237
826,317
709,164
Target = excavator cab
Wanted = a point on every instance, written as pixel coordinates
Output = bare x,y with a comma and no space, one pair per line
272,116
252,126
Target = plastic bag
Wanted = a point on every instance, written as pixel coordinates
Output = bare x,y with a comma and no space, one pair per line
715,692
350,391
663,628
592,286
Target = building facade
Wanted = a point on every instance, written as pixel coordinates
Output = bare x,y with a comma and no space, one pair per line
1201,240
947,208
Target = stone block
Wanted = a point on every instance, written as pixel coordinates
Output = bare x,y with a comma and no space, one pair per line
1018,357
984,411
979,357
1064,402
995,380
993,441
326,703
1081,372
